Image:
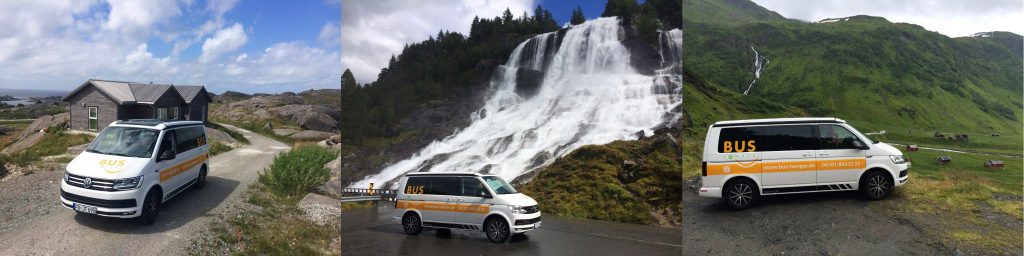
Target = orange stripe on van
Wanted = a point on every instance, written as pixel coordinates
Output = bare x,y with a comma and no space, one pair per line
444,207
785,166
168,173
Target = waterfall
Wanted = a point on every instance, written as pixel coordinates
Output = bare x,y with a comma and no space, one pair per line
760,61
586,93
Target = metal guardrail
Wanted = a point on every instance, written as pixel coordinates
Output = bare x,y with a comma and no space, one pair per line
363,194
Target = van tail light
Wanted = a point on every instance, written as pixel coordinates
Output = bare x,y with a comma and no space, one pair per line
703,168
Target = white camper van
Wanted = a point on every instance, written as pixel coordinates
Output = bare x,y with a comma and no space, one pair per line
133,166
745,159
466,201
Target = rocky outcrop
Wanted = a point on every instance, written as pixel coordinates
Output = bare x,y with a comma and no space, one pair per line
34,132
311,135
289,107
214,135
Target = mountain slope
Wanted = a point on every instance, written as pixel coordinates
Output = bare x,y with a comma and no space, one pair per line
727,12
867,70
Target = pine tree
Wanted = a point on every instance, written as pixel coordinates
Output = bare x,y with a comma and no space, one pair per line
577,16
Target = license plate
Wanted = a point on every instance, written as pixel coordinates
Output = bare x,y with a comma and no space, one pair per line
85,208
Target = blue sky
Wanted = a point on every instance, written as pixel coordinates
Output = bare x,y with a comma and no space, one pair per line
249,46
372,31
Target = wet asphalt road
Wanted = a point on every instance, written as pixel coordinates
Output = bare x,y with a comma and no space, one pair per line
826,223
371,232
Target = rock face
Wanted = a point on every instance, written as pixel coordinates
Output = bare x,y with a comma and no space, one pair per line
528,82
285,132
215,135
311,135
32,134
286,106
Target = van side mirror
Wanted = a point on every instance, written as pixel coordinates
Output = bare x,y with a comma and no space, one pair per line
165,155
860,145
484,194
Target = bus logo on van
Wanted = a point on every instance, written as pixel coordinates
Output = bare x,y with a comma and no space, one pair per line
112,166
738,146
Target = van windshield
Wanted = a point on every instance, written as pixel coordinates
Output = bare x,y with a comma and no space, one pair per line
499,185
125,141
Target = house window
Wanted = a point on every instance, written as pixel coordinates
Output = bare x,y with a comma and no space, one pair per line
94,118
161,113
172,113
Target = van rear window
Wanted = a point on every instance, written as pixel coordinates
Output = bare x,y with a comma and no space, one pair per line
767,138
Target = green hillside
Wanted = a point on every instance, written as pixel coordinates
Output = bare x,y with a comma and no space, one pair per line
878,74
730,12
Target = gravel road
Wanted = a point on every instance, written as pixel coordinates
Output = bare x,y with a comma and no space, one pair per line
32,221
827,223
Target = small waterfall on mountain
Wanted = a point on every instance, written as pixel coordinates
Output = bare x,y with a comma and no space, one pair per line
556,93
760,61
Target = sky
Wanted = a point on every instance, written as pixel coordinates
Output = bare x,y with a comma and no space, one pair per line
248,46
953,18
373,31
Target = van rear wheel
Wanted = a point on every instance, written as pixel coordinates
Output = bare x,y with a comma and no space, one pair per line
201,180
411,224
876,186
497,230
741,194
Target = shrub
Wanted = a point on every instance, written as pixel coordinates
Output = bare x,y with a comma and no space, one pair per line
298,171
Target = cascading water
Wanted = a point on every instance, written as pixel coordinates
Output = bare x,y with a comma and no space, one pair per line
760,61
588,93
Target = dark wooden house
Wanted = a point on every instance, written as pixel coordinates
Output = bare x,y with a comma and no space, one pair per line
945,159
912,148
97,103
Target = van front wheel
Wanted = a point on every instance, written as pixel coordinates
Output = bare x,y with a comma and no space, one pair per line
876,186
741,194
411,224
150,208
497,230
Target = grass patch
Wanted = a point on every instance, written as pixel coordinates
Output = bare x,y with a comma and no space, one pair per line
217,148
275,227
54,142
962,200
258,128
234,135
295,173
593,182
16,126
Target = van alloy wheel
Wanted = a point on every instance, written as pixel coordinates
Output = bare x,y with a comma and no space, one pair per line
411,224
150,208
497,230
741,194
877,186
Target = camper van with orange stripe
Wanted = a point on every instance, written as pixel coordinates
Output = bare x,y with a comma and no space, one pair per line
134,166
467,201
745,159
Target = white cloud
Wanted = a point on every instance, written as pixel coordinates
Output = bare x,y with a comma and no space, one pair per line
224,41
330,34
951,18
372,31
59,44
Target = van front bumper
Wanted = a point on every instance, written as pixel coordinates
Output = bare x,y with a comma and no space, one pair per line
903,174
525,222
117,204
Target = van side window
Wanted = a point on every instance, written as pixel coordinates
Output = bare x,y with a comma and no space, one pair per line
190,138
836,137
767,138
472,187
416,185
166,143
446,186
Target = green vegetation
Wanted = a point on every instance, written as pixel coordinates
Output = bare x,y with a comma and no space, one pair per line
276,227
217,148
16,127
577,16
967,200
32,111
731,12
257,127
297,172
594,182
54,142
234,135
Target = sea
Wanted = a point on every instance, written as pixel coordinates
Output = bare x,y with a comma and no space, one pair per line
25,94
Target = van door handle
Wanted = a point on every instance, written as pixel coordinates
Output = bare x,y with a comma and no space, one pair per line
823,154
808,155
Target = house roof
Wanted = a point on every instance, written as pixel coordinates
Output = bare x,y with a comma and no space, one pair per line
189,92
138,93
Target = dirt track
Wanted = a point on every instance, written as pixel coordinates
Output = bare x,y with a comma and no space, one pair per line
828,223
32,221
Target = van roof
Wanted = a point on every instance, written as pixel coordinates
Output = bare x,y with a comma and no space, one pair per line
798,120
417,174
156,123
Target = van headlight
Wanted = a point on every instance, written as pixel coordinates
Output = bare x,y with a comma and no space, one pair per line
517,209
128,183
66,176
898,159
